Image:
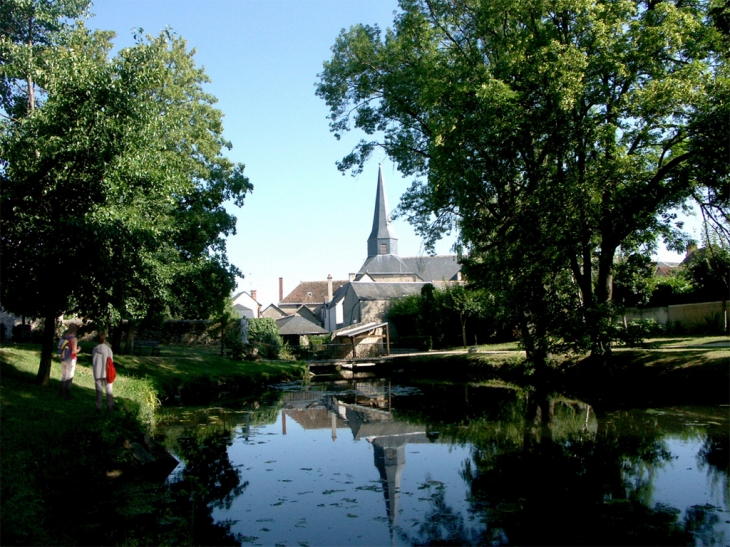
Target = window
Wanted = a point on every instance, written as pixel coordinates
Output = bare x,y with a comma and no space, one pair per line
383,248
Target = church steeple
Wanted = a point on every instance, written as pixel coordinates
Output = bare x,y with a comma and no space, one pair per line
382,240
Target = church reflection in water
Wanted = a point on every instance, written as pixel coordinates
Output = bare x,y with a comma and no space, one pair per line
365,408
369,417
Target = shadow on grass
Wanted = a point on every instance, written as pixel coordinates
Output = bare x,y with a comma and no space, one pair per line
652,377
71,477
56,452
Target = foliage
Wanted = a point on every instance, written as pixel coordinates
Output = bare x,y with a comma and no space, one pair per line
264,335
672,289
637,331
549,135
30,29
420,343
440,317
112,187
708,270
633,279
404,313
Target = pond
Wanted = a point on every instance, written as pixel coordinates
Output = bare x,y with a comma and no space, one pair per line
377,461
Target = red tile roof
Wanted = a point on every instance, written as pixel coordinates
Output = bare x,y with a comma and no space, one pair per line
311,292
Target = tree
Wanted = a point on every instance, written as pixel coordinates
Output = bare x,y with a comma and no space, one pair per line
30,28
112,187
464,304
549,134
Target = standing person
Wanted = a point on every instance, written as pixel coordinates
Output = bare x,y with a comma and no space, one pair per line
68,359
99,356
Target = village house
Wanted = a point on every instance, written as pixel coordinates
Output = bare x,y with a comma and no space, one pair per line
385,275
311,296
246,305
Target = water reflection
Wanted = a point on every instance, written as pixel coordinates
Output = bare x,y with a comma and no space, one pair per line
207,480
462,465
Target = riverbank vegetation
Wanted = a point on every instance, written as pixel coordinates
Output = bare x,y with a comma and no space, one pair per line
665,370
59,452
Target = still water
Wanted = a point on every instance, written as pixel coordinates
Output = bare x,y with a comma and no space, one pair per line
383,462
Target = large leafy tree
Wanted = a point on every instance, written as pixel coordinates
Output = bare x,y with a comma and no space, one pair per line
113,186
550,133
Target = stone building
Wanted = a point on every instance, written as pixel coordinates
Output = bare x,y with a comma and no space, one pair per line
384,275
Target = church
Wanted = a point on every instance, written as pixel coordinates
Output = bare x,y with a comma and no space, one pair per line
384,276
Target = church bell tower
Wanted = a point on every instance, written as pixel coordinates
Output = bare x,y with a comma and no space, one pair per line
382,240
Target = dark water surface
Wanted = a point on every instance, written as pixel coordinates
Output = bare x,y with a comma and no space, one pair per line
379,462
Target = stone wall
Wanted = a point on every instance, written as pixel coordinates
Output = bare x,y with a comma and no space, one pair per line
689,316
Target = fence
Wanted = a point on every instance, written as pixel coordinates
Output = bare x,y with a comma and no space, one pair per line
323,352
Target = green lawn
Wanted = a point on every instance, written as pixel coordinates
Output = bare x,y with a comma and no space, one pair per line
187,375
690,341
57,452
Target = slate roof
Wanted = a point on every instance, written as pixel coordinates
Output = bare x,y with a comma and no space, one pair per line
311,292
427,268
296,324
385,264
273,311
385,291
315,418
243,311
434,268
309,315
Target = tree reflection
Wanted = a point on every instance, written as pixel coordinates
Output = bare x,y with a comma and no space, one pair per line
208,481
701,521
585,485
715,456
549,473
441,525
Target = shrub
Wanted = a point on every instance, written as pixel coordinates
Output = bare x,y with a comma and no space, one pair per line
637,331
263,334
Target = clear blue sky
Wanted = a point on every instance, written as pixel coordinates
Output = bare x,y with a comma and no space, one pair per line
304,219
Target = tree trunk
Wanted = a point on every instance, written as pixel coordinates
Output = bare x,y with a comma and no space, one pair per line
604,283
116,338
539,412
601,343
131,332
223,336
534,338
463,329
49,333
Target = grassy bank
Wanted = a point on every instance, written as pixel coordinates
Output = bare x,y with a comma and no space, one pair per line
667,370
69,475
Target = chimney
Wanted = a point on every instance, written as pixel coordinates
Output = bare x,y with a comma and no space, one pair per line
281,289
329,287
253,294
